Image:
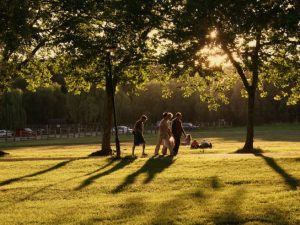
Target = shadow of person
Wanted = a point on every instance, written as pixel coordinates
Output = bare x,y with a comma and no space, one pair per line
291,181
57,166
152,167
120,165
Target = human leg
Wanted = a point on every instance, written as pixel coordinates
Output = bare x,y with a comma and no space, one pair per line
168,145
177,143
133,147
144,145
164,150
157,146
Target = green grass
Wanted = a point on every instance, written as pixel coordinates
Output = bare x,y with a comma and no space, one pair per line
194,188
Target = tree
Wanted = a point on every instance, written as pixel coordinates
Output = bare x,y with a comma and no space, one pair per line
26,28
99,28
257,38
12,113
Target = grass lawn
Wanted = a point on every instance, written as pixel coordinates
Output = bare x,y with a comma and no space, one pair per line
214,187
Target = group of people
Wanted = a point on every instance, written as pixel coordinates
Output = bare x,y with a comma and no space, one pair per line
170,132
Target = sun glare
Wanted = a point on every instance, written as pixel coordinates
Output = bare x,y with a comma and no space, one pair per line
213,34
216,60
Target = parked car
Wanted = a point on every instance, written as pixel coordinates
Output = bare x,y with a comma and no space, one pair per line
6,133
24,132
123,130
188,126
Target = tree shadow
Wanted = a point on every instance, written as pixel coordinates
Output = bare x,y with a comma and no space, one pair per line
215,182
230,214
2,153
253,151
57,166
291,181
120,165
152,167
132,207
275,216
169,211
110,161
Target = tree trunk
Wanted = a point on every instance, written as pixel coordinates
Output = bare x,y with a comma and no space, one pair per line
248,147
2,153
108,110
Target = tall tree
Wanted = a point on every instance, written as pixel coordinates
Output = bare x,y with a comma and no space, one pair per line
12,113
27,27
101,27
257,37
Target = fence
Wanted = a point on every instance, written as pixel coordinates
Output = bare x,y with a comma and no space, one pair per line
50,132
40,132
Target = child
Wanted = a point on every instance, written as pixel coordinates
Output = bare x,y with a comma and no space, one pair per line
187,140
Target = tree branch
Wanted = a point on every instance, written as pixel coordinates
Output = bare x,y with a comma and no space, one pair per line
255,60
236,65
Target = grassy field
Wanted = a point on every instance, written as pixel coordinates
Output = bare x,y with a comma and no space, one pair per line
49,184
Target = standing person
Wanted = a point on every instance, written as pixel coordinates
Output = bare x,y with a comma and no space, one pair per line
168,142
177,131
164,134
138,132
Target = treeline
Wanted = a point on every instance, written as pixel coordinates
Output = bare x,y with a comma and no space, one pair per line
53,105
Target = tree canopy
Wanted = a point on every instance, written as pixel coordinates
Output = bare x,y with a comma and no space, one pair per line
209,45
258,38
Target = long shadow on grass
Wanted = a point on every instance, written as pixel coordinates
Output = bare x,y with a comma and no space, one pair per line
131,208
57,166
152,167
291,181
231,211
170,211
120,165
110,161
273,215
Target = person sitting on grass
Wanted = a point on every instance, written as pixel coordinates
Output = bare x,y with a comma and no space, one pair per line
187,140
138,132
204,144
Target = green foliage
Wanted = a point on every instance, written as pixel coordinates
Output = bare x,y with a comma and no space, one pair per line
12,113
36,74
86,108
244,33
29,29
45,104
283,73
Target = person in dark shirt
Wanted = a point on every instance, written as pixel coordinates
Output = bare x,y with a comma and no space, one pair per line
177,131
138,132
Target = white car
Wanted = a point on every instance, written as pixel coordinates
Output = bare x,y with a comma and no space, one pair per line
123,130
6,133
188,126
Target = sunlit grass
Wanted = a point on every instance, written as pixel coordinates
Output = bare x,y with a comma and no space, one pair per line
193,188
